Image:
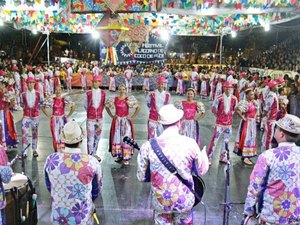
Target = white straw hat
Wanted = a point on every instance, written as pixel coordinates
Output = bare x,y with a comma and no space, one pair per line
289,123
71,133
169,114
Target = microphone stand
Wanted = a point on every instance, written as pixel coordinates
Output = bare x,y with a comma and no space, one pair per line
227,203
18,156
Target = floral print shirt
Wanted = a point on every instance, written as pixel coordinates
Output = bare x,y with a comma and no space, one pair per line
74,180
169,194
6,174
276,174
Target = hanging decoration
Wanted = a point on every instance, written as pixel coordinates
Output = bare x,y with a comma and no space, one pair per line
124,6
114,5
53,16
110,28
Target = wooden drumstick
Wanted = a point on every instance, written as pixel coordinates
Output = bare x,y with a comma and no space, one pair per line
96,217
27,209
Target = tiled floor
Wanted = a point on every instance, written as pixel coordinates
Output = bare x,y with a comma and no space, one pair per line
124,200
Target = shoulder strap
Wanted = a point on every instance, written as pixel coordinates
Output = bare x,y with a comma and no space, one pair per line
164,160
161,156
262,192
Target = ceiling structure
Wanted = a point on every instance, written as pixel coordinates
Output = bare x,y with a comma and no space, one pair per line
179,17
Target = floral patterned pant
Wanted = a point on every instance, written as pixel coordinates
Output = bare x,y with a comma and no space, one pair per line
194,85
128,84
268,135
69,84
225,133
26,123
56,125
185,218
94,130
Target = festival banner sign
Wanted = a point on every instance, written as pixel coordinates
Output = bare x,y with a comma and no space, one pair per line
260,71
279,73
152,52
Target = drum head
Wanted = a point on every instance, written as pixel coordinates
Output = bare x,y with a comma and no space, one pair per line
17,180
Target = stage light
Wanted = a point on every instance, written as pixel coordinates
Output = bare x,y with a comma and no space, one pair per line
95,34
233,34
267,27
34,31
164,34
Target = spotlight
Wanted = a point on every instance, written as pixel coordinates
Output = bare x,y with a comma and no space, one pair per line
34,31
233,34
95,34
164,34
267,27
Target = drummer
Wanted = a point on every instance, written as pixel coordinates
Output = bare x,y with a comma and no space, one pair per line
73,178
5,177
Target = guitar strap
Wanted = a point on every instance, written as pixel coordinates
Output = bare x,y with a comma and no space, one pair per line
164,160
262,192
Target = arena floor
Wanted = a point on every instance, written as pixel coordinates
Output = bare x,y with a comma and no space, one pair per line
124,200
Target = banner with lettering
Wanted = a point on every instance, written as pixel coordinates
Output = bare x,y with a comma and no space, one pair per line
152,52
279,73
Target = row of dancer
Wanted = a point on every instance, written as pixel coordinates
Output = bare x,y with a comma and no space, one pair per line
96,103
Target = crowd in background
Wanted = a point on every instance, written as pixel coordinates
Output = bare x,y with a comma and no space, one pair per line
284,56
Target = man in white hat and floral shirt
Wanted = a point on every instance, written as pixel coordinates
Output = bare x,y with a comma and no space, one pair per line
172,200
74,180
275,179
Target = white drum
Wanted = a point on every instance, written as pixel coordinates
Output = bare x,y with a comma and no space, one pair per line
18,180
16,188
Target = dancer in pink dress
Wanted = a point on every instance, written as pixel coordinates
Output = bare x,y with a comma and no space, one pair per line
193,111
58,118
122,124
245,142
